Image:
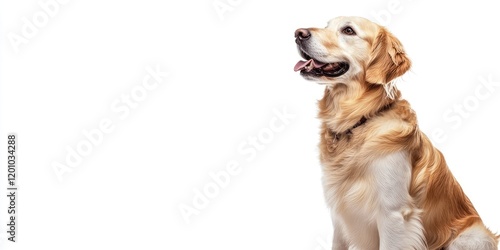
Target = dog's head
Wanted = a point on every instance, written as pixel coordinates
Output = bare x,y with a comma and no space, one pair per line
350,48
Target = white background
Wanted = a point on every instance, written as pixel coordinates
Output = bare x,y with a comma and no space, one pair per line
228,75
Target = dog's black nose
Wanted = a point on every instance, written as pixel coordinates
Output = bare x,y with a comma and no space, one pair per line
302,34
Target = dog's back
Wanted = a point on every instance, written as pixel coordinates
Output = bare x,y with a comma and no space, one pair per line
450,216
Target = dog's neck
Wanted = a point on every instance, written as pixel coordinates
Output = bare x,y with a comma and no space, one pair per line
347,106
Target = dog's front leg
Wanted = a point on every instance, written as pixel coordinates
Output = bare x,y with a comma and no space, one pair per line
397,231
339,242
398,221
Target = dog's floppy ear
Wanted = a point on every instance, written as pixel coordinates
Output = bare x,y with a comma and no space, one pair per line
388,59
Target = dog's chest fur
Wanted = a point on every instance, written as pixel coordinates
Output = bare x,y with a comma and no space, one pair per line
350,182
343,177
361,185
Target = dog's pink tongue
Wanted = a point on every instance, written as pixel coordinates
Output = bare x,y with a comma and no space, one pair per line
304,64
301,65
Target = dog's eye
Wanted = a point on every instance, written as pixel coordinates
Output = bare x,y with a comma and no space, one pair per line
348,31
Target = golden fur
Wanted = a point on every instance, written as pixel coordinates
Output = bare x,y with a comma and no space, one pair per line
436,198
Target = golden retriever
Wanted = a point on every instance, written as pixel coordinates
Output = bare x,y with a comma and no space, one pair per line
386,184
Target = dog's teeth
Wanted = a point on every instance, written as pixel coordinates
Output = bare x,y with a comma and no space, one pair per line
309,67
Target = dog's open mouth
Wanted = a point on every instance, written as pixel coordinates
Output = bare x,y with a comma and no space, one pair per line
317,68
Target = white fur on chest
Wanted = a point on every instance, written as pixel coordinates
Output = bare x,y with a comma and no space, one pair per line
372,207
